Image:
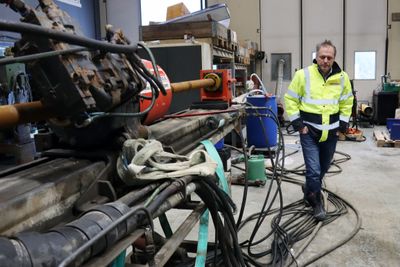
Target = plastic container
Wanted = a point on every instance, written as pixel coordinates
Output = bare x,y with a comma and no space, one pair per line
261,130
219,145
256,168
395,131
397,113
390,122
391,87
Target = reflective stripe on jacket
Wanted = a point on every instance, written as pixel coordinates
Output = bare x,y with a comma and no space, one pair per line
317,103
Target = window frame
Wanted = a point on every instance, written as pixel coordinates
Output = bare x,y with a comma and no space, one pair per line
375,67
202,5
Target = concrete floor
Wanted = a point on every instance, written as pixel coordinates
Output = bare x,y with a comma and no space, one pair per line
370,181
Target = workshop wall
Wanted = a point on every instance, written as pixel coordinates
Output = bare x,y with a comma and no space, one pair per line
394,41
365,26
245,21
364,31
122,14
275,25
245,18
85,15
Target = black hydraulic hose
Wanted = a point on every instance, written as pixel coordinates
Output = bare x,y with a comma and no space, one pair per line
149,78
278,191
231,259
27,58
96,231
101,234
132,197
225,206
152,59
32,29
341,209
301,34
260,33
260,220
246,182
174,187
209,198
129,50
300,224
299,170
226,203
344,240
387,37
98,115
135,60
344,34
282,243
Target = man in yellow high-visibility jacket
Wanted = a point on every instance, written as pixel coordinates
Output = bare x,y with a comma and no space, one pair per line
319,102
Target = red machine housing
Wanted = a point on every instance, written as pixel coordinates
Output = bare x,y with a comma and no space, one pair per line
222,91
162,103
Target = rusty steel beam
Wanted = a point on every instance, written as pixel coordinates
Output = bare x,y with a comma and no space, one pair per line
190,85
110,255
11,115
166,251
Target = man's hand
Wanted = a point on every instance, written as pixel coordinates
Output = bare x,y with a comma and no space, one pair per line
303,130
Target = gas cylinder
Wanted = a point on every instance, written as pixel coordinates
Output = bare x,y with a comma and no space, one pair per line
162,102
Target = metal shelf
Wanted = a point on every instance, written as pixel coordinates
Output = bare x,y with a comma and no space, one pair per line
220,52
238,66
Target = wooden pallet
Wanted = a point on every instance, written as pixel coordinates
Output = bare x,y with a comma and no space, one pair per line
233,46
382,139
197,29
221,42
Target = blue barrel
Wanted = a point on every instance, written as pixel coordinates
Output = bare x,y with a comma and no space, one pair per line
254,125
220,144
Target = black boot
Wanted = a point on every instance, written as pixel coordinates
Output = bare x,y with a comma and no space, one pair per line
306,203
315,201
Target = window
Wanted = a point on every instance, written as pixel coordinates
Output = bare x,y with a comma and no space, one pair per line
365,65
156,10
4,46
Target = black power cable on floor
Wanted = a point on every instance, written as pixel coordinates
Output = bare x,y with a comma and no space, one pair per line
266,207
293,222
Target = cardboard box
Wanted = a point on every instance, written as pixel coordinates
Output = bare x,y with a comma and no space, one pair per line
177,10
232,36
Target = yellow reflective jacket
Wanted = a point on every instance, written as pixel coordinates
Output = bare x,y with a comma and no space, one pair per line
323,105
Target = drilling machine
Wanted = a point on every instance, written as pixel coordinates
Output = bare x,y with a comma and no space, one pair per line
69,207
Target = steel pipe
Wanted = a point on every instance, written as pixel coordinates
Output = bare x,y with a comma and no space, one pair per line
190,85
11,115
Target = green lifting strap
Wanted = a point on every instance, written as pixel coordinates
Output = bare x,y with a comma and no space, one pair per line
203,229
165,225
119,261
212,151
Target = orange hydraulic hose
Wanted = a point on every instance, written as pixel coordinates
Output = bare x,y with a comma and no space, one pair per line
11,115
